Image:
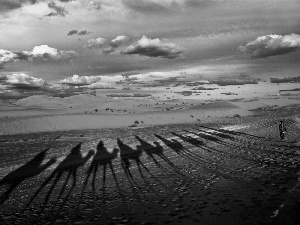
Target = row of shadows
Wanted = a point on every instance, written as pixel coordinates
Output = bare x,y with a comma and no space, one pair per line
104,159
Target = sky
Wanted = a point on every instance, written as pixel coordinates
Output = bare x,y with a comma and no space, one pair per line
54,41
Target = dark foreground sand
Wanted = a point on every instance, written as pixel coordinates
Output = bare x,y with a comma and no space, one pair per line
220,171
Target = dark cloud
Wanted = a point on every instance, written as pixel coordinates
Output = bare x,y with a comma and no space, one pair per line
76,32
83,32
165,6
271,45
154,48
21,56
58,10
286,80
147,6
225,82
72,32
9,5
66,0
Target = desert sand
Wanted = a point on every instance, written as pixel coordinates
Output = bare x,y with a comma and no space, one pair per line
153,99
152,156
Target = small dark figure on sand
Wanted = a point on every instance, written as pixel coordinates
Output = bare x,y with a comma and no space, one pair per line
282,129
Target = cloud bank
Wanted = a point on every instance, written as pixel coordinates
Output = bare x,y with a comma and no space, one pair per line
42,52
76,80
22,81
271,45
154,48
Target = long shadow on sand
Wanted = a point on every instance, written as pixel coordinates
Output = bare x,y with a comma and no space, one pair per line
231,150
102,158
236,133
70,166
217,137
157,150
209,138
28,170
218,133
128,154
180,149
207,163
190,140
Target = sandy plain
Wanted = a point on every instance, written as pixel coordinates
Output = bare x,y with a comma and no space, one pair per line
165,154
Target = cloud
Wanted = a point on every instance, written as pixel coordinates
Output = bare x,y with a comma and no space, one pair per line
76,32
76,80
271,45
93,5
118,41
46,52
9,5
148,6
154,48
42,52
58,10
6,56
96,43
108,50
72,32
22,81
163,6
105,45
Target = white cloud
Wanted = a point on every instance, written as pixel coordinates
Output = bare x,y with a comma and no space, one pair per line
43,52
106,46
271,45
118,41
6,56
96,43
76,80
154,48
46,52
22,80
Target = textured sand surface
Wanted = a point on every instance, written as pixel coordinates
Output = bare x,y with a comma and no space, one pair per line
226,170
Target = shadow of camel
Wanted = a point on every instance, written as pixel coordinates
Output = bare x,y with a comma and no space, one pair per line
190,140
28,170
156,149
127,154
69,165
180,149
218,133
101,158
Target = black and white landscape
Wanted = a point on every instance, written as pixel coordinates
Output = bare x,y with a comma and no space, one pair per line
149,111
